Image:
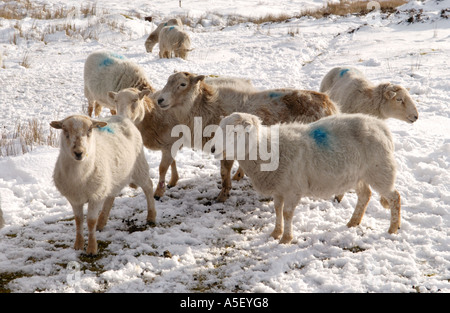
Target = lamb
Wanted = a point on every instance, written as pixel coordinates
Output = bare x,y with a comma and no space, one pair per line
96,160
327,157
107,71
353,93
187,96
153,38
173,39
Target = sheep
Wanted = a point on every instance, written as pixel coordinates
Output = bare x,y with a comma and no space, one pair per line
173,39
353,93
96,160
318,160
187,96
107,71
153,38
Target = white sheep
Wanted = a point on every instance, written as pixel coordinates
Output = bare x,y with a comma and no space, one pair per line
96,160
106,71
353,93
173,39
187,96
327,157
153,38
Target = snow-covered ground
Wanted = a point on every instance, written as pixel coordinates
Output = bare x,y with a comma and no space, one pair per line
219,247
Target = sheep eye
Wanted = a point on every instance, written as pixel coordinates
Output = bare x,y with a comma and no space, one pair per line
400,100
183,85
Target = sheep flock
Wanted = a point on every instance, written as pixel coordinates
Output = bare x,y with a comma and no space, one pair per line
290,143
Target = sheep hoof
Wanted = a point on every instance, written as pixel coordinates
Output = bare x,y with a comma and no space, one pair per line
151,223
352,224
393,229
156,197
276,234
338,198
79,245
286,240
222,197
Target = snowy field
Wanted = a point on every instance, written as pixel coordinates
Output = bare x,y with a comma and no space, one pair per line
199,245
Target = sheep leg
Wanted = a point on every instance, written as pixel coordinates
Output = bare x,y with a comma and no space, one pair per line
363,192
225,173
174,175
395,205
78,213
148,191
91,105
104,214
166,161
239,174
278,230
288,214
98,108
92,217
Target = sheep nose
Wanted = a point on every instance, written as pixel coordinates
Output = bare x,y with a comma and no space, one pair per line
213,149
78,155
160,100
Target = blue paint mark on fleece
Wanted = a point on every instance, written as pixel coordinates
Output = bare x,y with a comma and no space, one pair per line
171,27
106,129
273,95
106,62
342,72
117,56
320,136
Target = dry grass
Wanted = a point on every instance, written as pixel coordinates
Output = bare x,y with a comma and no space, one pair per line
342,8
26,136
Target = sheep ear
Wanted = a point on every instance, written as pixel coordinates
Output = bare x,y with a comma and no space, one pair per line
198,78
98,124
389,94
56,124
112,96
144,93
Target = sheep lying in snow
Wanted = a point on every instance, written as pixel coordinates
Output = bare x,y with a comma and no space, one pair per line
97,159
320,159
173,39
153,38
354,94
187,96
107,71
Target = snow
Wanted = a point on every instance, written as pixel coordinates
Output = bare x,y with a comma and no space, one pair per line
226,247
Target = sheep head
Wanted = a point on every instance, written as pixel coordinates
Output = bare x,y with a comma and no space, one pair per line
237,131
76,139
181,90
399,104
129,103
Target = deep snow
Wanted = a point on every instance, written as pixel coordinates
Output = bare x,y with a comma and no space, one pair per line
227,247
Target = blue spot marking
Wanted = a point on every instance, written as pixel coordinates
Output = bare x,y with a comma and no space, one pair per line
107,62
117,56
275,95
320,136
165,24
106,129
171,27
342,73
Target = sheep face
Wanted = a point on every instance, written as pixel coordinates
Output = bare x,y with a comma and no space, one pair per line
76,140
399,104
151,41
129,102
181,89
235,132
